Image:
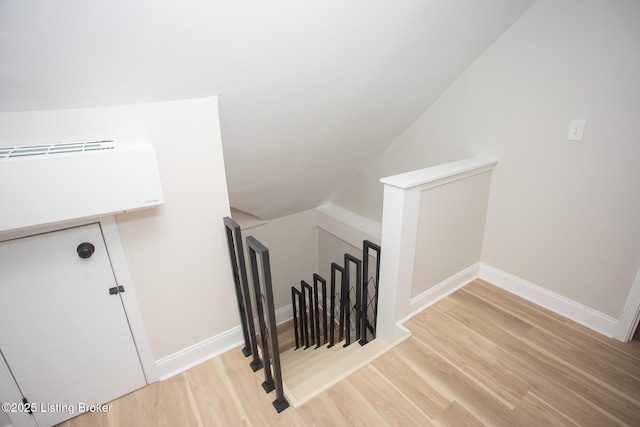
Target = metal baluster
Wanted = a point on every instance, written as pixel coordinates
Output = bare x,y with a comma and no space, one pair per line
308,291
296,295
238,266
366,325
334,267
318,279
345,312
348,258
324,309
268,328
302,308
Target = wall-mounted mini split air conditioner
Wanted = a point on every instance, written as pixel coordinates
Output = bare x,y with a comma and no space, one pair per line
44,184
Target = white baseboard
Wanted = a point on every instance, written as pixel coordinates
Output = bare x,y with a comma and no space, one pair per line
442,289
208,349
198,353
284,314
558,304
401,333
563,306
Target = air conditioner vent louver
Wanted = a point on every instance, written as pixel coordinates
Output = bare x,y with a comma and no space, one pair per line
61,148
4,151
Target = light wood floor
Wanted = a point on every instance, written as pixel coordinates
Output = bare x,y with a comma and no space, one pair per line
479,357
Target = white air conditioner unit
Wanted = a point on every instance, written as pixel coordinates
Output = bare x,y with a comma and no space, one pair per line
43,184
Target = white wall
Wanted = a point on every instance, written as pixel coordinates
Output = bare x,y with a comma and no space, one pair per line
562,215
177,253
332,249
293,250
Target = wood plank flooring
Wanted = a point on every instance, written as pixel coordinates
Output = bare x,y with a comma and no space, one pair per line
479,357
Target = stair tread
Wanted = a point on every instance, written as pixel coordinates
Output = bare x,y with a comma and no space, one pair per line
292,364
322,371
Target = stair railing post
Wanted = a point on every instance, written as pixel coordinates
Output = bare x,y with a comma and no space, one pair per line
332,318
267,319
243,296
307,290
324,309
317,279
296,300
345,309
368,325
304,332
348,258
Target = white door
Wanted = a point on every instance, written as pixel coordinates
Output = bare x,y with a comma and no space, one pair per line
64,337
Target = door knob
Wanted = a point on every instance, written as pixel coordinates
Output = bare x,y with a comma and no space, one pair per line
85,250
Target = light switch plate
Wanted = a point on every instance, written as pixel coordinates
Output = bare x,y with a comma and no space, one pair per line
576,129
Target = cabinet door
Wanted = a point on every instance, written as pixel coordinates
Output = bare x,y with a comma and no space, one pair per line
65,338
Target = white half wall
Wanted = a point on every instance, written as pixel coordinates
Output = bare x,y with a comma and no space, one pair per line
404,246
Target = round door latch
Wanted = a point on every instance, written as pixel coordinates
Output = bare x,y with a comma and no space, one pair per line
85,250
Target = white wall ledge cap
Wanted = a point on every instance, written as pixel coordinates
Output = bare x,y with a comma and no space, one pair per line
347,225
432,175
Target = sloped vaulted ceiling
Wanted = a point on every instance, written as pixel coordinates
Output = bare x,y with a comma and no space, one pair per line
310,92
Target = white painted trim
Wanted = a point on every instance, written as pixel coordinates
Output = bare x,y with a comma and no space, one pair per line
556,303
246,220
401,332
47,228
631,314
203,351
440,174
563,306
347,225
196,354
129,301
400,216
10,393
284,314
443,289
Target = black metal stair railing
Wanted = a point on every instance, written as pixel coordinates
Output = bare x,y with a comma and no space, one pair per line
264,307
297,303
261,269
352,305
369,292
335,296
309,315
353,308
243,296
321,337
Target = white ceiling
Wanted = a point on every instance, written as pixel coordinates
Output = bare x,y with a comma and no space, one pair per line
310,91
